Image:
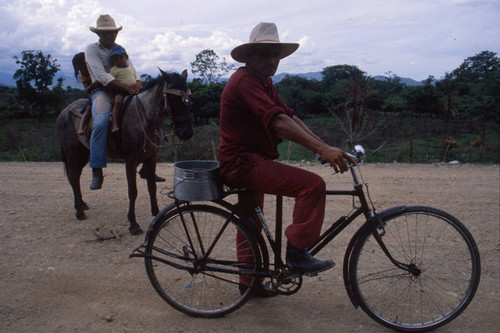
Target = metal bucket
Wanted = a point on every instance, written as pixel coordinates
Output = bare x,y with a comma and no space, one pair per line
197,180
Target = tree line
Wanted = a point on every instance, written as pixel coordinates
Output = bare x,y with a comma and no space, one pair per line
356,102
470,91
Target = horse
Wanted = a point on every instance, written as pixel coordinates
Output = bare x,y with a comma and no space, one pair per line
138,140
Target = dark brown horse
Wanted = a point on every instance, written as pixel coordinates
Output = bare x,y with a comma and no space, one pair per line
138,140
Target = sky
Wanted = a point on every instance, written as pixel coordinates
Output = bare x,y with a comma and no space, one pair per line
408,38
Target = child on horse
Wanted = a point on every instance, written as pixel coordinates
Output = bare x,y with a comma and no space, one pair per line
125,73
82,74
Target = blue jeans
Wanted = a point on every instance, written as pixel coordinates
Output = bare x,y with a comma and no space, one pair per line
101,110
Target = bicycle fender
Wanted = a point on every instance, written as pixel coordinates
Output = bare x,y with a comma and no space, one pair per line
377,218
388,212
156,218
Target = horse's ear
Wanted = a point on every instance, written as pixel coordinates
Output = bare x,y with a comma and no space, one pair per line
184,74
162,72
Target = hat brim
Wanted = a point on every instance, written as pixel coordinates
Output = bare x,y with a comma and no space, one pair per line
96,30
240,53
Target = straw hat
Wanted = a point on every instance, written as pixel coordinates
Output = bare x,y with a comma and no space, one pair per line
105,23
263,33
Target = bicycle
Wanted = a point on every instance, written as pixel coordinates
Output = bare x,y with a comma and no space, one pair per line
409,268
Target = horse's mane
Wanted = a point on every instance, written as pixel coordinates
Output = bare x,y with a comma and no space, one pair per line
172,77
151,83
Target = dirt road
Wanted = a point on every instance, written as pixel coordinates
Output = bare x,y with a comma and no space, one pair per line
54,276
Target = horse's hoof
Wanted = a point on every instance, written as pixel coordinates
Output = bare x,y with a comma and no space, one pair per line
135,230
85,206
80,215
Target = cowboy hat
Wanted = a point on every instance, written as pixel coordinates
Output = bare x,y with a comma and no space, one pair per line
263,33
105,23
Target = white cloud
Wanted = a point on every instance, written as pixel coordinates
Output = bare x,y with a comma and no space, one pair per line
409,38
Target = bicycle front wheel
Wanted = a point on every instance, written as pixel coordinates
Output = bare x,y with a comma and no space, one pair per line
442,275
194,260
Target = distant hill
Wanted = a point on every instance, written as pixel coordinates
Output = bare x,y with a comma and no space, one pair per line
309,76
69,80
405,80
318,76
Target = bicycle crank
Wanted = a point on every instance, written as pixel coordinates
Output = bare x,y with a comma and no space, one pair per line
287,283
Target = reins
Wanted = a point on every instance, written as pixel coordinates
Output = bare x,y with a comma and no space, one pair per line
139,108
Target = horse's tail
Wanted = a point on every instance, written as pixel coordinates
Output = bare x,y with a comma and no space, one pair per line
60,127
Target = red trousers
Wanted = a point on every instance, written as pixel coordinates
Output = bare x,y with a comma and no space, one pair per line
265,176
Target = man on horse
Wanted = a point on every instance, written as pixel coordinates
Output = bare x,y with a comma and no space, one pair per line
98,59
253,120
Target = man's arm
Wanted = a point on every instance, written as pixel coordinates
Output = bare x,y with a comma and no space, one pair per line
295,130
118,86
95,65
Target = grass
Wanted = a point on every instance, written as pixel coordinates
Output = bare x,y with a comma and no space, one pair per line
32,140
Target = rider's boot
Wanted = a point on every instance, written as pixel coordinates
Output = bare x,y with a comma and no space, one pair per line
158,179
303,262
97,179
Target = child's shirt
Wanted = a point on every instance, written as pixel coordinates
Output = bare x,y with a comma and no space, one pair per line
127,76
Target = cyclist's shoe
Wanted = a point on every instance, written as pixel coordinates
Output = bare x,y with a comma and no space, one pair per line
262,290
302,261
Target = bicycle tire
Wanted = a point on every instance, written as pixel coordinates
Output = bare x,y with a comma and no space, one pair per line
196,285
447,276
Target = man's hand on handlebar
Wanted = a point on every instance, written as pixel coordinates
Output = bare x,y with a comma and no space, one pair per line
338,159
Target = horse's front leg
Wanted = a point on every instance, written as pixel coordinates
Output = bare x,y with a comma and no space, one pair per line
131,170
149,169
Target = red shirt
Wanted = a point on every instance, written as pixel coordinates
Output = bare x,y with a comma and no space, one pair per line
247,108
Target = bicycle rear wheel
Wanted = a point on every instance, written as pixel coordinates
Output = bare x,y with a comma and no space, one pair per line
193,264
443,277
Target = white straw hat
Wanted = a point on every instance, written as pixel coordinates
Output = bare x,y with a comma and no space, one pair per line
105,23
263,33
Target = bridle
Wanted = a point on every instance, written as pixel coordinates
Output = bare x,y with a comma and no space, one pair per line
185,98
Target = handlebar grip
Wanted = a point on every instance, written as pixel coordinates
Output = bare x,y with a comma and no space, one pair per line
322,161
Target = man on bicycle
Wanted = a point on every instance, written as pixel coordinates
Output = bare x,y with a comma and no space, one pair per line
253,120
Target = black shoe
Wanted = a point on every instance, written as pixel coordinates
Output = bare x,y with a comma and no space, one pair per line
158,179
263,290
302,261
97,179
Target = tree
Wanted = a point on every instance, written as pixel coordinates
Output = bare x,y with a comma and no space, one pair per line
447,90
357,91
333,74
210,67
423,100
206,100
484,65
477,89
305,96
34,77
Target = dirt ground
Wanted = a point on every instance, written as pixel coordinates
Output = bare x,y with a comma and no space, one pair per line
54,276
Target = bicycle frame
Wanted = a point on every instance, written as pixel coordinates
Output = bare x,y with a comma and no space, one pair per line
372,217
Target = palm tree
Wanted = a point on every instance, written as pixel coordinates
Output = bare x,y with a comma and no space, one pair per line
357,91
447,90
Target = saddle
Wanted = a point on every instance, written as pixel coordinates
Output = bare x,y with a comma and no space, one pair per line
113,140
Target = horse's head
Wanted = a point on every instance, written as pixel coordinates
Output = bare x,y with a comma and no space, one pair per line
177,103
